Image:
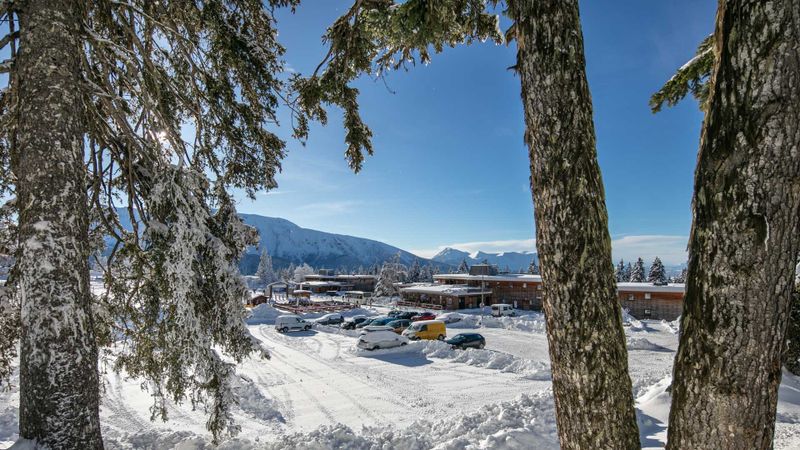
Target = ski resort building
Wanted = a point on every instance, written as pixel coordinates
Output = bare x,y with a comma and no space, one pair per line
364,283
484,285
446,296
649,301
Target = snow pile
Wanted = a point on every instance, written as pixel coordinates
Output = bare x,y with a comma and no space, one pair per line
632,322
489,359
177,440
527,422
529,323
653,414
263,314
672,327
644,344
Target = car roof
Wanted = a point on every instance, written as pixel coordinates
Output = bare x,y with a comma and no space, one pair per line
428,322
379,334
289,316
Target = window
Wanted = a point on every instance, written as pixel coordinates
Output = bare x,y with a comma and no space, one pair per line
647,296
631,297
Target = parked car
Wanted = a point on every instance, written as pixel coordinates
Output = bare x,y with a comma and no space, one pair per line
399,325
423,316
381,339
351,322
426,329
406,315
394,313
467,340
288,323
374,328
450,317
370,320
503,309
331,319
382,320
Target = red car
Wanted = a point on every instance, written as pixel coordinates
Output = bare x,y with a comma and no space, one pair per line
423,316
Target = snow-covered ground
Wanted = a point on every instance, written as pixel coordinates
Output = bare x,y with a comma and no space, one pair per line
320,391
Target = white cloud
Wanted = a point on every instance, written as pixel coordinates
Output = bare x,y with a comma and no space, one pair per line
671,249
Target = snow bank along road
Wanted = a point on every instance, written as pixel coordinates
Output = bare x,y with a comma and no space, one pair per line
319,391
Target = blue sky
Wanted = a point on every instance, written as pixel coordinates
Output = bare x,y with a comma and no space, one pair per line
450,166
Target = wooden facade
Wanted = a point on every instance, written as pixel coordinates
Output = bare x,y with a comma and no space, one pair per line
642,300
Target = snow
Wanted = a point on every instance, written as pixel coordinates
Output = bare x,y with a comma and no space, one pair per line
320,391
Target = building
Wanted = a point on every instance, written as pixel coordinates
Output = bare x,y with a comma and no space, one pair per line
446,296
322,287
485,285
523,291
364,283
649,301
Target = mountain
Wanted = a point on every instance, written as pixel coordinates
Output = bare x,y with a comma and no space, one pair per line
513,260
288,243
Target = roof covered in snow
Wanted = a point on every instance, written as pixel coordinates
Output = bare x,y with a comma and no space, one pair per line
650,287
446,289
519,277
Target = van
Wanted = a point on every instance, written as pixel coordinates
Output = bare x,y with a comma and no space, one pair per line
503,309
291,323
426,329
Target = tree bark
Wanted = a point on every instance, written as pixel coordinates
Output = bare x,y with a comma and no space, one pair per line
591,385
59,391
744,240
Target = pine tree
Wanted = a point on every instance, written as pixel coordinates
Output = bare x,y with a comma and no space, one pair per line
533,269
265,272
392,272
637,273
657,274
415,271
744,242
300,272
619,271
680,278
99,96
594,400
463,267
626,276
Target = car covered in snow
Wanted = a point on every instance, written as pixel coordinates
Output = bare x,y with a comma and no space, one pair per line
450,317
291,322
330,319
350,323
399,325
426,329
381,339
423,316
467,340
374,328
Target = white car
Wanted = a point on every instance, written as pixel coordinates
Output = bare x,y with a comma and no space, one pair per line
374,328
381,339
288,323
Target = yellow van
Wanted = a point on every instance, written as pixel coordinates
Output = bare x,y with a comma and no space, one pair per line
426,329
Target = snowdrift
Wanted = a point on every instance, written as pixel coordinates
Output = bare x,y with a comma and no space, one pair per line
488,359
524,423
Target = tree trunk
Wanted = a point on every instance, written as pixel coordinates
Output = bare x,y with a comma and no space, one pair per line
744,240
59,391
594,403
